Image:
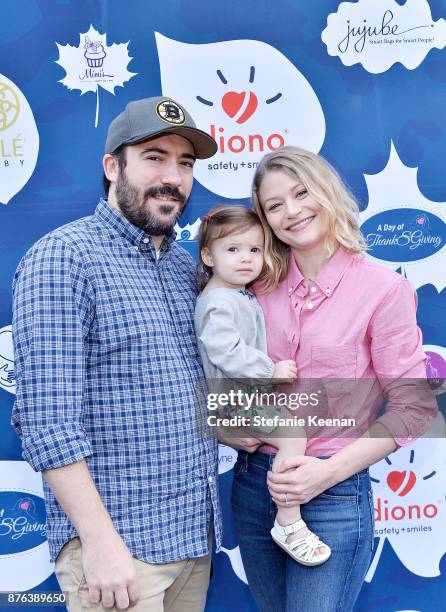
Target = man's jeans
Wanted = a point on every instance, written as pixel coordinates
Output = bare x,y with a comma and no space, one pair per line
343,518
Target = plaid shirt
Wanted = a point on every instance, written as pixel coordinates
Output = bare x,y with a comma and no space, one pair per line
107,369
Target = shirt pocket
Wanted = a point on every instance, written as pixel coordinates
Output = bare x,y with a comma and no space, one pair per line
333,361
333,370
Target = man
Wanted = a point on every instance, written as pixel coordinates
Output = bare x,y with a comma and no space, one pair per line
107,369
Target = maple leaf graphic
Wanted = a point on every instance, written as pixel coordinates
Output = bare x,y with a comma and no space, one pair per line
93,64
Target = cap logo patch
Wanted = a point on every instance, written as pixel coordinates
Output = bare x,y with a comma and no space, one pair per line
170,112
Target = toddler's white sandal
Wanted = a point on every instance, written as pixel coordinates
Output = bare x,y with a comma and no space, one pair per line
303,550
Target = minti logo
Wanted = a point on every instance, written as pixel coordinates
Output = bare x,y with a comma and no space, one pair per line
409,503
249,97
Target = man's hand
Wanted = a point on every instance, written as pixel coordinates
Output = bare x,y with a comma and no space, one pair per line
109,571
108,566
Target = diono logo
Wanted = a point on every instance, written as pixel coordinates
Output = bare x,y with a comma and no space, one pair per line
401,482
250,107
409,508
239,106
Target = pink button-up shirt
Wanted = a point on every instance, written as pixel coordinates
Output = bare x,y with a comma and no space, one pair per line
356,320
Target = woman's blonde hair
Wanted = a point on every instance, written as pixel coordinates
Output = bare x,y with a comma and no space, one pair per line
325,185
219,222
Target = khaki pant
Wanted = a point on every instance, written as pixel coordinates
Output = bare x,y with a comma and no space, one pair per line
169,587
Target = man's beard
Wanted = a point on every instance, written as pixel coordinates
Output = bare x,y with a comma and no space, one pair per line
133,205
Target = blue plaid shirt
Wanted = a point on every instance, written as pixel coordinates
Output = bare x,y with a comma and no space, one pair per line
107,371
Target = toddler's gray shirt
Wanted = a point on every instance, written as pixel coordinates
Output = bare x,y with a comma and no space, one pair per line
231,335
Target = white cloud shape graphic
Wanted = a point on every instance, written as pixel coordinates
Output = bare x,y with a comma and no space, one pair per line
189,231
380,33
236,562
395,188
93,64
410,507
20,140
7,378
249,96
227,457
23,570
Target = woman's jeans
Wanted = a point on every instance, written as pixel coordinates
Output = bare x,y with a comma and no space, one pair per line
342,517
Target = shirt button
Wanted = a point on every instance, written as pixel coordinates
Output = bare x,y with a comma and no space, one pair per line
313,289
211,479
136,248
145,240
310,306
290,290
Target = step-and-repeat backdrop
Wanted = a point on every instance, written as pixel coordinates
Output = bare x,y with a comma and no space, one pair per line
362,82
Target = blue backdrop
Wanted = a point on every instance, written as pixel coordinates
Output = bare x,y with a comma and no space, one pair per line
376,112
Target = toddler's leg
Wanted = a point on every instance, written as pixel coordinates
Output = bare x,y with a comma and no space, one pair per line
288,448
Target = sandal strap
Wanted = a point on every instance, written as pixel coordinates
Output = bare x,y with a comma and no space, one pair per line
287,530
306,547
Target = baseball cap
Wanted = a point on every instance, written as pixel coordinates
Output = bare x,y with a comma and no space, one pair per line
151,117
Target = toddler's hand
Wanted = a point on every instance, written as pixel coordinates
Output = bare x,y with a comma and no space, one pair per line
285,370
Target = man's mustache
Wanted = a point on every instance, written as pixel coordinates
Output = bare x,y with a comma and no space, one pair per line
173,192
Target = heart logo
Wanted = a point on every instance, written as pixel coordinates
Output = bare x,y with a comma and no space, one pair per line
239,106
24,505
399,483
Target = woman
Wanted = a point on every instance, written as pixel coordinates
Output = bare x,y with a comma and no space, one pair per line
339,316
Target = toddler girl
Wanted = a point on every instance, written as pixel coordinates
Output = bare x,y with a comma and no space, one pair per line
232,341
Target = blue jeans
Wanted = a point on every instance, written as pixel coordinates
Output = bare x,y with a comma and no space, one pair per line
343,518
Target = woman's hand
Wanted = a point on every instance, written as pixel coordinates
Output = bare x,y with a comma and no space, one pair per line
300,478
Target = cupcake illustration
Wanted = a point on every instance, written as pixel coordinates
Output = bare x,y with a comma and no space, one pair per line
94,53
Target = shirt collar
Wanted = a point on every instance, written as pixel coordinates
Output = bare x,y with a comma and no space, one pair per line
328,278
119,225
